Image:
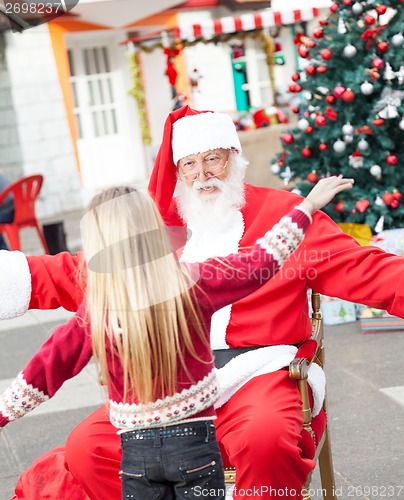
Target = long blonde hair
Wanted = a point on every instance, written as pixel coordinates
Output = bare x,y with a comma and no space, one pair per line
138,298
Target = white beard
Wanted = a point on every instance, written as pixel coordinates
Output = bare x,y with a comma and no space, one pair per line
212,213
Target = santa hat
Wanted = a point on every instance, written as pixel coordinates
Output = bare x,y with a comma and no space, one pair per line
187,131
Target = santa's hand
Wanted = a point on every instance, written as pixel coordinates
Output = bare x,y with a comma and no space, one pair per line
324,191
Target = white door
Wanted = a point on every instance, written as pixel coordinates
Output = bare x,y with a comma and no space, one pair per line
109,146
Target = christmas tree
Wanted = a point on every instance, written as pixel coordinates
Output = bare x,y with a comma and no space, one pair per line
351,112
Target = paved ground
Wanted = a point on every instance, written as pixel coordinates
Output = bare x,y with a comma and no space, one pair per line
365,391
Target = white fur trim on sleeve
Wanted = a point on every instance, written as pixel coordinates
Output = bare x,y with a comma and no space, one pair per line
15,284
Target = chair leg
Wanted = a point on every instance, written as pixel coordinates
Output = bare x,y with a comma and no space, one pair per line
326,468
306,488
42,238
13,237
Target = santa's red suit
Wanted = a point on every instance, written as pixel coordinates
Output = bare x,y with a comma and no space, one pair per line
259,422
260,427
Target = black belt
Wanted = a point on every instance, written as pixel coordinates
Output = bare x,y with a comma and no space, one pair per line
223,356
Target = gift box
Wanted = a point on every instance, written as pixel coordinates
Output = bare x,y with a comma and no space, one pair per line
337,311
391,240
376,320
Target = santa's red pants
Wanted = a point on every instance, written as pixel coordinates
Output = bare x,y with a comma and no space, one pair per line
259,430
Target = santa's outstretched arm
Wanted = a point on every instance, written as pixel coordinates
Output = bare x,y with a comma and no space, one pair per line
39,282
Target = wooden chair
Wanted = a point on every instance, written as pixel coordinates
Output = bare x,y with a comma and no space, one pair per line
315,437
25,192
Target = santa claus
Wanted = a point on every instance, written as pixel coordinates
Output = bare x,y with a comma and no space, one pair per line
259,420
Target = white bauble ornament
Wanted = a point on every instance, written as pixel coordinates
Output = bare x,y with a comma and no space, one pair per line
341,26
275,168
379,202
366,88
397,40
349,51
357,8
348,139
296,191
303,124
363,145
347,129
339,146
401,124
376,171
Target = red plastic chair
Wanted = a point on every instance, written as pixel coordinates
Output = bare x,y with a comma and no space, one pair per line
25,191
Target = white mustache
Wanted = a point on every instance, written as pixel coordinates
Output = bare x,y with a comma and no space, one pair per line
213,182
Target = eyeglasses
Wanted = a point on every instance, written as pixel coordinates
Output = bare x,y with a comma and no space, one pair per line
214,171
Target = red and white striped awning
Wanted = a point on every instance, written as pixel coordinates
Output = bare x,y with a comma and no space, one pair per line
246,22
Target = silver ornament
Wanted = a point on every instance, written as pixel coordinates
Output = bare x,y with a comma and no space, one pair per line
349,51
389,73
376,171
348,139
357,8
397,40
401,124
400,75
339,146
275,168
287,175
363,145
347,129
303,124
366,88
341,26
389,112
379,202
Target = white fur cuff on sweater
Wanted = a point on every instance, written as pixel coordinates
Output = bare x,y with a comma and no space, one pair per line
15,284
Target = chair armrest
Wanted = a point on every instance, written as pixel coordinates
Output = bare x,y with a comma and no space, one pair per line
299,366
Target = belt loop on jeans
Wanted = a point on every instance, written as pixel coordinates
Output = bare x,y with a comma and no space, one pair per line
157,438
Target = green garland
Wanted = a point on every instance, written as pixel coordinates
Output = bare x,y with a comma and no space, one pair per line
137,92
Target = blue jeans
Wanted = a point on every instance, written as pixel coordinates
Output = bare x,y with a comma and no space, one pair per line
176,462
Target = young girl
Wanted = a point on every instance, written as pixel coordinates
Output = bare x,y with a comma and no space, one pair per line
146,320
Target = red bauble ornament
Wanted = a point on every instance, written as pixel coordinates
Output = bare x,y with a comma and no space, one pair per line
311,70
392,160
378,122
347,2
306,152
287,138
397,195
295,109
306,114
320,120
298,88
292,87
395,204
348,96
377,63
310,44
329,99
295,77
339,207
338,91
369,20
334,7
309,130
331,114
322,147
318,33
362,205
388,198
303,51
321,68
381,9
312,177
323,22
326,54
383,46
